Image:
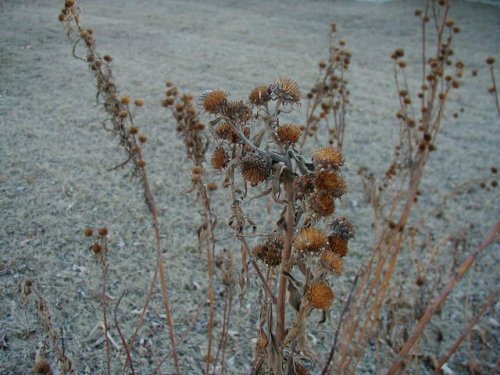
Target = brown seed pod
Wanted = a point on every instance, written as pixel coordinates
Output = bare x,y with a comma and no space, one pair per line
323,204
259,95
338,245
320,295
88,232
333,262
125,100
103,231
288,133
310,240
214,101
220,158
328,157
256,168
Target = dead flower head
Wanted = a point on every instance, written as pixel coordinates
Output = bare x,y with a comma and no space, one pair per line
328,157
288,133
310,240
320,295
259,95
256,168
213,101
285,89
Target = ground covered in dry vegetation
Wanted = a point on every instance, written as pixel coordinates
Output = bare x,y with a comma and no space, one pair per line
55,158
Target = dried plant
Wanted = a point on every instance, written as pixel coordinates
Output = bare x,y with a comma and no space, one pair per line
298,254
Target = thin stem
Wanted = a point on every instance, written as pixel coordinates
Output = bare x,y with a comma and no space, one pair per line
435,305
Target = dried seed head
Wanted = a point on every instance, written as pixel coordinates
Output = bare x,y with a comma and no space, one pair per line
108,58
42,366
214,101
343,228
143,138
338,245
197,169
103,231
285,89
330,182
195,178
219,158
141,163
323,204
227,132
333,262
256,168
288,133
259,95
490,60
320,295
139,102
134,130
270,251
96,248
237,111
304,184
328,157
167,102
212,186
125,100
310,240
88,232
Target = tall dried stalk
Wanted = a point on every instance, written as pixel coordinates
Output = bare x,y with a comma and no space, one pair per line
120,116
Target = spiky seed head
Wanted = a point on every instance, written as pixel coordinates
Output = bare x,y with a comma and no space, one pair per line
103,231
285,89
343,228
304,184
88,232
310,240
320,295
288,133
259,95
330,182
143,138
333,262
237,111
227,132
338,245
323,204
270,251
141,163
328,157
219,158
256,168
134,130
214,101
